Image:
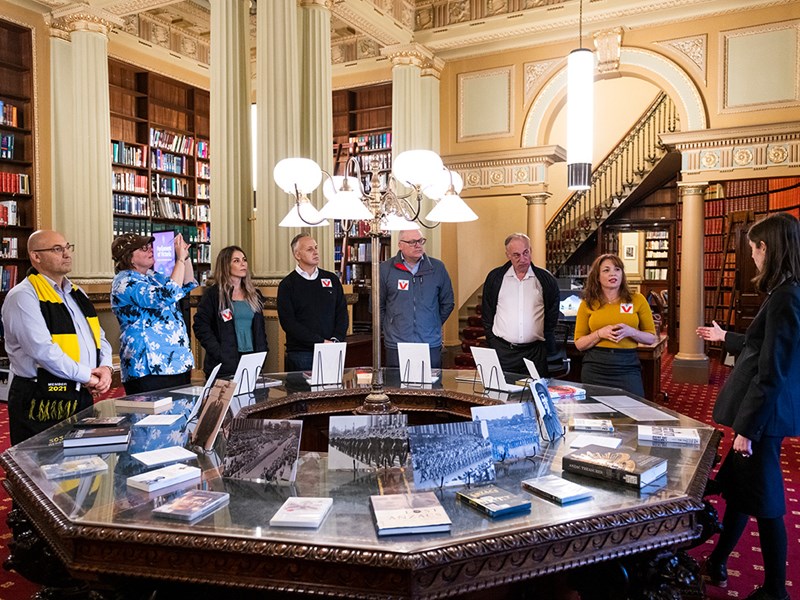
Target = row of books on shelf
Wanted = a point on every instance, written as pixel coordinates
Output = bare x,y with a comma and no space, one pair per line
659,274
174,142
713,261
357,229
383,161
204,170
360,252
202,149
203,191
125,181
574,270
131,205
171,186
7,146
713,243
657,235
656,245
357,273
8,213
9,114
165,207
201,253
127,154
712,278
164,161
14,183
191,233
9,247
373,141
8,277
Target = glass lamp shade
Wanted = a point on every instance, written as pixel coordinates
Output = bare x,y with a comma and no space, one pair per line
439,187
580,113
303,214
394,222
451,209
346,205
417,167
292,174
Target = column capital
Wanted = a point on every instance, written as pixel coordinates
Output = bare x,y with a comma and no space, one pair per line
82,17
692,189
57,29
537,197
321,3
410,54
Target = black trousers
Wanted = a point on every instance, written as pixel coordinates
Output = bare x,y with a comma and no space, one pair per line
29,413
511,356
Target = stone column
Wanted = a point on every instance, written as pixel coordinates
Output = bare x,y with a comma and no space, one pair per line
316,126
90,133
231,189
278,136
415,111
537,202
62,118
691,362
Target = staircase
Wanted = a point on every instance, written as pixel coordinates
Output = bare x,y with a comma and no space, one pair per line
617,181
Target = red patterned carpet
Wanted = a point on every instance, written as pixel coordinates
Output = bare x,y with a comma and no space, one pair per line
744,568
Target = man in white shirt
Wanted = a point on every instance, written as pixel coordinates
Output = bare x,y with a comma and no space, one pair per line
520,309
311,306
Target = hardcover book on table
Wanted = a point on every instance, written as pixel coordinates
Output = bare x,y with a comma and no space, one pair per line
192,505
494,501
99,449
556,489
162,456
302,512
634,469
398,514
605,425
144,403
685,436
96,436
74,468
164,477
92,422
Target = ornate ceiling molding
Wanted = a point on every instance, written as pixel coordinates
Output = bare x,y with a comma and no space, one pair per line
527,166
535,74
608,44
132,7
691,51
83,17
365,17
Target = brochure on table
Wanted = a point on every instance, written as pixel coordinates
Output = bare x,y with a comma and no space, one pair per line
491,372
247,372
328,365
415,363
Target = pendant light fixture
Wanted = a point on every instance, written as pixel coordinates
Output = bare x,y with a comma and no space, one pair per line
580,113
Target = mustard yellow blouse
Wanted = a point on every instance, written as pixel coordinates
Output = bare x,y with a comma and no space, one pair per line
636,314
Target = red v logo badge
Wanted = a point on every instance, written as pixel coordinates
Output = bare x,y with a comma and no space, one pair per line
626,308
402,284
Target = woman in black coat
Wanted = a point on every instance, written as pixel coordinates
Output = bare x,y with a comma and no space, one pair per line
229,321
760,401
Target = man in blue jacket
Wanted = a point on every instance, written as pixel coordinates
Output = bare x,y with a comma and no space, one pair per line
416,298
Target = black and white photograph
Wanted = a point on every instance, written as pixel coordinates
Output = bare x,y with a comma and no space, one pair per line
262,449
450,454
512,429
366,442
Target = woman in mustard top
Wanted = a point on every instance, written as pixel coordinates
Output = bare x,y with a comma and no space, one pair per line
611,322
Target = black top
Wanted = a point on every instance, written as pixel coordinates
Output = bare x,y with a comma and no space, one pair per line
550,295
311,311
218,336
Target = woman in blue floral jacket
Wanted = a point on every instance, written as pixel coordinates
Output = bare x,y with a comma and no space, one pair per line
154,343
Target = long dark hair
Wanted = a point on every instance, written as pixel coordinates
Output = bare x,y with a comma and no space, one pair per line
222,277
780,233
593,292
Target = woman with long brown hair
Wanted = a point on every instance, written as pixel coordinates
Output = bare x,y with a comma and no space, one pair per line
611,322
229,321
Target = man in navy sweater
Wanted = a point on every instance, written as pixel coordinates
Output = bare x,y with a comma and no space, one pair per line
416,298
311,306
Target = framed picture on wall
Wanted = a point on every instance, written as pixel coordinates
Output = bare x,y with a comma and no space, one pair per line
629,252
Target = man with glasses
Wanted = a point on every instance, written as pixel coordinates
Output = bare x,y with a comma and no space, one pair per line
58,352
416,298
520,309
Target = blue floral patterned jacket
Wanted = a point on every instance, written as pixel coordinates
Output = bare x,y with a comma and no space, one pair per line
153,336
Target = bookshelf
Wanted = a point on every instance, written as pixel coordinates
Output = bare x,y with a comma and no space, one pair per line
17,201
160,157
362,129
656,256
